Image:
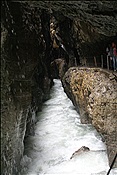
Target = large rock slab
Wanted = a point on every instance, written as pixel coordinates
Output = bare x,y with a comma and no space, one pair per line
94,94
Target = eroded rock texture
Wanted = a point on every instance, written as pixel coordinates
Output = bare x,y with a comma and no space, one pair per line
25,78
85,27
94,93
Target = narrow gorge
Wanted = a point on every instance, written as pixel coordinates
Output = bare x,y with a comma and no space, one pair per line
46,40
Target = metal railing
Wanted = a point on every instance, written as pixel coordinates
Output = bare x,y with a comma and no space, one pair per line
102,61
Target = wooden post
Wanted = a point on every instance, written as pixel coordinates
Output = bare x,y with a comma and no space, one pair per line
95,62
107,62
102,62
75,62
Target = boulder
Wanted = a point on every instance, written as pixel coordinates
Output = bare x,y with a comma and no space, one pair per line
93,91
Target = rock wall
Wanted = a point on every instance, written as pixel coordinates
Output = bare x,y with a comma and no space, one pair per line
58,68
85,27
25,79
94,94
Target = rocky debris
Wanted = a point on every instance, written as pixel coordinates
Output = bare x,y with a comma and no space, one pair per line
79,151
93,91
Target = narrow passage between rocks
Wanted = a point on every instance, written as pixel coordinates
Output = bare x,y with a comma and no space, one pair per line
58,134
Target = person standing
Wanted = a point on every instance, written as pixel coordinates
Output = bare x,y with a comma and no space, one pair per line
108,56
114,57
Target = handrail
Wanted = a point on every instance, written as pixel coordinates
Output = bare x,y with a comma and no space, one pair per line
112,164
104,61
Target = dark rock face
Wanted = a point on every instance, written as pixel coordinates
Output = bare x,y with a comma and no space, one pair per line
86,27
94,93
25,78
58,68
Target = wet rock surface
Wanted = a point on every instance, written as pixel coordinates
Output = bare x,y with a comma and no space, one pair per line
25,80
94,94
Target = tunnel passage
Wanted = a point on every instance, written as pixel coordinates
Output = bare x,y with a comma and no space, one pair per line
63,45
63,41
